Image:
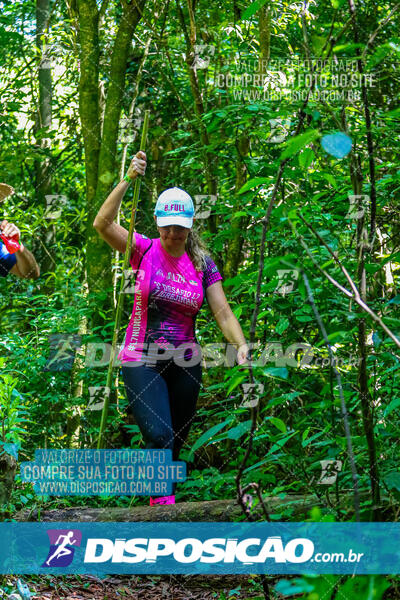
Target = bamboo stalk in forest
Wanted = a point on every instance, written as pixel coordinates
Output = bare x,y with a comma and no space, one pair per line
120,303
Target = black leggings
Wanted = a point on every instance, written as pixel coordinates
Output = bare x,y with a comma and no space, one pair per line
163,398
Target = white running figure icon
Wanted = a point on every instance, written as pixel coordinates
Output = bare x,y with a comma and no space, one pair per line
62,550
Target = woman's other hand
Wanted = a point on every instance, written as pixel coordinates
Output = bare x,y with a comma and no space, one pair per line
138,165
242,354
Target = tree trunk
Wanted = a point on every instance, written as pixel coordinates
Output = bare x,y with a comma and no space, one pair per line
8,469
98,254
101,136
208,158
366,400
89,110
239,224
73,425
42,127
208,511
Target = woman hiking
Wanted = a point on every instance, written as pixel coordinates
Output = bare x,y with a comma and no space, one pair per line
161,359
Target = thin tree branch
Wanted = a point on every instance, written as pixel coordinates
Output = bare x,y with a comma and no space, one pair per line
382,24
345,415
355,294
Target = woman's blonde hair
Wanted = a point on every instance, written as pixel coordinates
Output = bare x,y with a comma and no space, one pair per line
197,250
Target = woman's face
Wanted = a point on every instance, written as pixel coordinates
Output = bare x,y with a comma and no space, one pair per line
173,234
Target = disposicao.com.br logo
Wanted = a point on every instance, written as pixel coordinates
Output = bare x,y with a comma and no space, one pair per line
61,550
188,550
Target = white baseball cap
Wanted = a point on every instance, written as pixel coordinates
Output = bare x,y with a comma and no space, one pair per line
174,207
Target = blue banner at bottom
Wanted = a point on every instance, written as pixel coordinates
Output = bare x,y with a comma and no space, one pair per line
192,548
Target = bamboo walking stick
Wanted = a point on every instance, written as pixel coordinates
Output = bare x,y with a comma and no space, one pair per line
120,302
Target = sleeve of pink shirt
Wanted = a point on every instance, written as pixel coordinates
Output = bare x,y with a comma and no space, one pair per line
142,243
211,273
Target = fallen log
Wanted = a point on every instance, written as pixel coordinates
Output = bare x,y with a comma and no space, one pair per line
8,468
290,508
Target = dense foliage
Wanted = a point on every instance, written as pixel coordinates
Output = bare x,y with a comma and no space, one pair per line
282,121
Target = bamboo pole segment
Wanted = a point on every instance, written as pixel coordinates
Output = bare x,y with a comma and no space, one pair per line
120,303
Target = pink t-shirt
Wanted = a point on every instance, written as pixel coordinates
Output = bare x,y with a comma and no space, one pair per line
169,293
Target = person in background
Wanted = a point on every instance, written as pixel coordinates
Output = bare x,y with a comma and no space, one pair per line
20,262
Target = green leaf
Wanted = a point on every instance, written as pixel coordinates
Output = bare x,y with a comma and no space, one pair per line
177,150
257,464
394,257
267,458
393,324
252,183
293,587
305,443
336,336
348,47
304,318
207,436
330,179
370,268
294,144
11,449
392,480
395,403
306,158
279,424
371,587
282,325
280,443
281,372
237,380
252,9
236,432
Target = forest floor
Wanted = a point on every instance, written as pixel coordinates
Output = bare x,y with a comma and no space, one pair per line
138,587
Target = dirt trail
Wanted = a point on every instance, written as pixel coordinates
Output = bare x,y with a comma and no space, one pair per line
141,587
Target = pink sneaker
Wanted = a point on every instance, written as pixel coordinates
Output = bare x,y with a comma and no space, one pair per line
162,500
